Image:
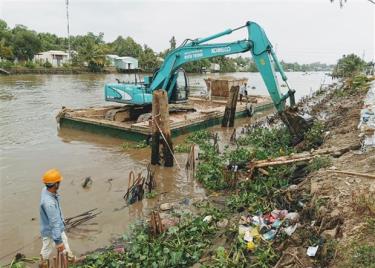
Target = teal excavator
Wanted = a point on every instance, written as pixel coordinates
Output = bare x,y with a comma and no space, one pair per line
171,77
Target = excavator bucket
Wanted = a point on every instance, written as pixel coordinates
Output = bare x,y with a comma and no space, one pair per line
297,124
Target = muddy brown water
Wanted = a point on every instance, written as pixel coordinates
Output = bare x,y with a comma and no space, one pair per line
30,143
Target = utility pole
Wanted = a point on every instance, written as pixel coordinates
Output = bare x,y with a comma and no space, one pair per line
67,19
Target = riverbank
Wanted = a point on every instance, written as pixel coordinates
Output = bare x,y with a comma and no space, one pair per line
54,70
318,212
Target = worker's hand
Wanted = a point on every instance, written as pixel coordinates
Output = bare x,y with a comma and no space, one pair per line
60,247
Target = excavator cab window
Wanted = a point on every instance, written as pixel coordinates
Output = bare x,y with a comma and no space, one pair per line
181,91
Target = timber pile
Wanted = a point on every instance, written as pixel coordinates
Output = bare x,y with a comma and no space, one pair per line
230,108
161,131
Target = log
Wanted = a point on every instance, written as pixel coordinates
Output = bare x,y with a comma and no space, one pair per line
353,174
230,108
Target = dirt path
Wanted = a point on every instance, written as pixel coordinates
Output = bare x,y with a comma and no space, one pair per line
349,197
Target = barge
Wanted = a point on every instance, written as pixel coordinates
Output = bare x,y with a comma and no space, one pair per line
126,122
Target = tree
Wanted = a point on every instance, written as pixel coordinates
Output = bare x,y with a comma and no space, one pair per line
227,65
197,66
173,42
126,47
348,65
25,43
6,51
92,52
148,59
52,42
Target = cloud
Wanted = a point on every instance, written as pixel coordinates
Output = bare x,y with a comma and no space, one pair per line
303,31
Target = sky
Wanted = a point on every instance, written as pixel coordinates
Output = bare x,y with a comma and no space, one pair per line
302,31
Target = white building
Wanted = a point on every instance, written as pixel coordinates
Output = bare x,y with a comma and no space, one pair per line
55,57
126,63
112,59
214,67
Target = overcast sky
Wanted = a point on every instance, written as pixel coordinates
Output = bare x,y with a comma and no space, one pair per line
301,30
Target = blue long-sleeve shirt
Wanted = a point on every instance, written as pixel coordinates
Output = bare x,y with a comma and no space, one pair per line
51,218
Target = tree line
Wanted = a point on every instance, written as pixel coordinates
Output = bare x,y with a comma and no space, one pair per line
22,44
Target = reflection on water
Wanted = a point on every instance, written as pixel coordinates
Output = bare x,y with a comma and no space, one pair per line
30,144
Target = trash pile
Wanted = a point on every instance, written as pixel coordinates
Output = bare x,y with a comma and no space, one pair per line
254,228
367,120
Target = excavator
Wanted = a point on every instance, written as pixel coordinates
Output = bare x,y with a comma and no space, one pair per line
171,77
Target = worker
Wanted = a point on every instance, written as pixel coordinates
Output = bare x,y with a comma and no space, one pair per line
243,91
51,219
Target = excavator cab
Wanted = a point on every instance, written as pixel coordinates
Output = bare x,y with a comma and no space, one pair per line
180,92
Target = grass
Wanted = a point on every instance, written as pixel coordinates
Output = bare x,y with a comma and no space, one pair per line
363,202
363,256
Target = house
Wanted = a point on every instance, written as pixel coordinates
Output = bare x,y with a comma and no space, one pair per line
56,57
126,63
112,59
214,67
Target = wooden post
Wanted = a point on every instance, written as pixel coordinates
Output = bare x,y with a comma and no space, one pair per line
166,130
230,108
160,114
155,154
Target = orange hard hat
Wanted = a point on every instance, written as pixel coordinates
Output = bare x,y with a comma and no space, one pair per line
52,176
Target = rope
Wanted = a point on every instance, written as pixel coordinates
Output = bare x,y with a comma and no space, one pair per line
166,142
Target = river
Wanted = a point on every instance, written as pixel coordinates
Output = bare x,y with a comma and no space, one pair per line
30,143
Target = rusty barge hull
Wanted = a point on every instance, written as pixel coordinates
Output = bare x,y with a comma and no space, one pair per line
182,119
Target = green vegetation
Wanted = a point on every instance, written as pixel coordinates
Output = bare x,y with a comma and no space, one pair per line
179,246
319,162
348,66
316,66
266,142
126,145
152,194
182,148
184,245
22,44
363,256
314,136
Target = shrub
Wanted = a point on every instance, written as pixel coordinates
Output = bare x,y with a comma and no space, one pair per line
30,64
47,64
6,64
